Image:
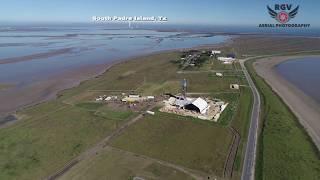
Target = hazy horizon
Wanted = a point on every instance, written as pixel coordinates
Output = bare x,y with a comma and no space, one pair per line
206,12
312,31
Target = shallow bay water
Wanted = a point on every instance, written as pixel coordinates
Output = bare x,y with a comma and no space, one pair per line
304,73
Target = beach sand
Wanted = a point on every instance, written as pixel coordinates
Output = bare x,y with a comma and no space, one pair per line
304,107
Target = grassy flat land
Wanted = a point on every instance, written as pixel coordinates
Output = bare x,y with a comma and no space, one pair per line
115,164
50,134
211,64
204,82
285,150
180,140
44,141
241,124
229,113
262,45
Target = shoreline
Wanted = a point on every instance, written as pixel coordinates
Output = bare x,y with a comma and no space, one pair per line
70,79
302,105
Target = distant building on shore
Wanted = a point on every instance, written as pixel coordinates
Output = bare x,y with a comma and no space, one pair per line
215,52
227,60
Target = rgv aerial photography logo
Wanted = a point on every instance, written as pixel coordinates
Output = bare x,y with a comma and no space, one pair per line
283,13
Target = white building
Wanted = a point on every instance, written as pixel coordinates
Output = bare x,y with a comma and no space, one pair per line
226,59
150,97
193,104
199,105
150,112
214,52
234,86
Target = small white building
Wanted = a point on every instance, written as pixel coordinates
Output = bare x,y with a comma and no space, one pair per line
214,52
131,99
150,112
150,97
226,59
108,98
234,86
99,99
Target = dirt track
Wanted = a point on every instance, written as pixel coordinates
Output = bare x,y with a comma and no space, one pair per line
97,148
94,150
228,167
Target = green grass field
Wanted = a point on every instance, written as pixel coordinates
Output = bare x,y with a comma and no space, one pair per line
241,124
113,113
185,141
49,135
228,114
90,106
114,164
211,63
35,147
285,149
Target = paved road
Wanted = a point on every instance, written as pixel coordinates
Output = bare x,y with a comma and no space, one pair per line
250,154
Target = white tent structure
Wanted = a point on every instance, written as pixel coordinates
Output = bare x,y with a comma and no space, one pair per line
199,105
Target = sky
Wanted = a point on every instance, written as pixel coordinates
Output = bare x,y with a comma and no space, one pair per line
206,12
